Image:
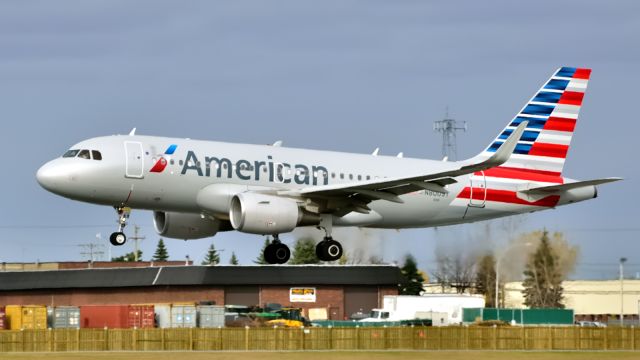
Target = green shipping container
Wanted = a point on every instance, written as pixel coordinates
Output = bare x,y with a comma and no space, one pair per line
519,316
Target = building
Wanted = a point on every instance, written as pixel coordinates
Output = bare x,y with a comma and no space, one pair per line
65,265
591,300
341,290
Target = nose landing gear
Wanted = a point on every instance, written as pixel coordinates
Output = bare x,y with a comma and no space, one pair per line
118,238
276,252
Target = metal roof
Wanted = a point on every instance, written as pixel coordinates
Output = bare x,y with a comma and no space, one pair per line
202,275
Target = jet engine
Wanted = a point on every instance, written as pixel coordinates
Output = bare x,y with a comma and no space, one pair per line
184,225
263,214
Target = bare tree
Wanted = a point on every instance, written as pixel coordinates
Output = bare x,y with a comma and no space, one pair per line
455,270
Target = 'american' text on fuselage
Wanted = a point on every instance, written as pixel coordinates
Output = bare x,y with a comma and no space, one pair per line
277,172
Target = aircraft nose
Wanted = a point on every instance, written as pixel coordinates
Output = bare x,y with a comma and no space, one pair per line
49,175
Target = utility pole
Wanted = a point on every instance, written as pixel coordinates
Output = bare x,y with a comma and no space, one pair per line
135,239
622,261
448,128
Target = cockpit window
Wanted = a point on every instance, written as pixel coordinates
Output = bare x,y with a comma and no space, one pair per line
96,155
71,153
84,154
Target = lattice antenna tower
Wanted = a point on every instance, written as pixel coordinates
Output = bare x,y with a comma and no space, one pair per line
92,251
448,128
136,238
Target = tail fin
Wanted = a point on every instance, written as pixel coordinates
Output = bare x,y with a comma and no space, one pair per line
552,114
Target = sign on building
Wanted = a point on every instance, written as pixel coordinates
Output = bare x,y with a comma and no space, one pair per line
299,294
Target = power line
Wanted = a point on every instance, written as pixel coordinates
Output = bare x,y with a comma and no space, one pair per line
91,250
27,227
603,229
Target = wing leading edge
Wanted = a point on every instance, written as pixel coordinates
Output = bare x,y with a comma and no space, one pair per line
390,189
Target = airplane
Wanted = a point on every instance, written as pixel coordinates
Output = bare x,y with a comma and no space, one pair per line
199,188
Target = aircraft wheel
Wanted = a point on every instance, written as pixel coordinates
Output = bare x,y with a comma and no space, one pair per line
320,250
270,254
281,253
329,250
333,250
118,238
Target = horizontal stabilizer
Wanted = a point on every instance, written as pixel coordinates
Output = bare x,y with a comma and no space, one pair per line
568,186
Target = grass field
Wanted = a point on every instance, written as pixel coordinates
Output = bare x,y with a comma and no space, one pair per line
334,355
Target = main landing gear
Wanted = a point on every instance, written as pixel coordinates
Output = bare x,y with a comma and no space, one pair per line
118,238
328,249
276,252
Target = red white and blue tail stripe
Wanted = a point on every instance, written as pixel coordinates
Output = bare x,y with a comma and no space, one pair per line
552,114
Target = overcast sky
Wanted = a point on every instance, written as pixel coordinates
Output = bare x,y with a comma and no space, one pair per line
338,75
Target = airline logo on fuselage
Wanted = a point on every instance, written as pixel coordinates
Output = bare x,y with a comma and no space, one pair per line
269,170
161,163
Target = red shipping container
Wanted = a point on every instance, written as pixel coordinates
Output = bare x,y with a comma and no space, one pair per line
101,316
141,316
3,318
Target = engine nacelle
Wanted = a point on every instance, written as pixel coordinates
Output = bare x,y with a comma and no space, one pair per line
184,226
262,214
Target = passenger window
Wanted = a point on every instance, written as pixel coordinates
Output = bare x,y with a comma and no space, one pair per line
359,177
341,175
350,176
368,177
84,154
96,155
70,153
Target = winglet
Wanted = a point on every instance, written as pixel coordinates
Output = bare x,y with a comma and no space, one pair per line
132,132
505,150
277,143
375,152
503,153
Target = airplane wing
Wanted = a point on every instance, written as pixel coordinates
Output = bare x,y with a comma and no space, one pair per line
362,192
551,189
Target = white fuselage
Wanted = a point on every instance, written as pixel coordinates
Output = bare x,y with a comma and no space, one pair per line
129,174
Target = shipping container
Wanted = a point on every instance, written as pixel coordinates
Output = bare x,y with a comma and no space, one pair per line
163,315
104,316
64,317
141,316
26,317
210,316
3,319
183,316
520,316
117,316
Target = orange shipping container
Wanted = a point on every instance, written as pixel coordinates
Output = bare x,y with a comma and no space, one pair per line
117,316
26,317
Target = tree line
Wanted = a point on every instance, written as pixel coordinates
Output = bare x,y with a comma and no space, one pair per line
462,270
542,261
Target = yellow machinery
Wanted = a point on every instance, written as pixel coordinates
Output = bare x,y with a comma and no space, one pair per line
288,317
